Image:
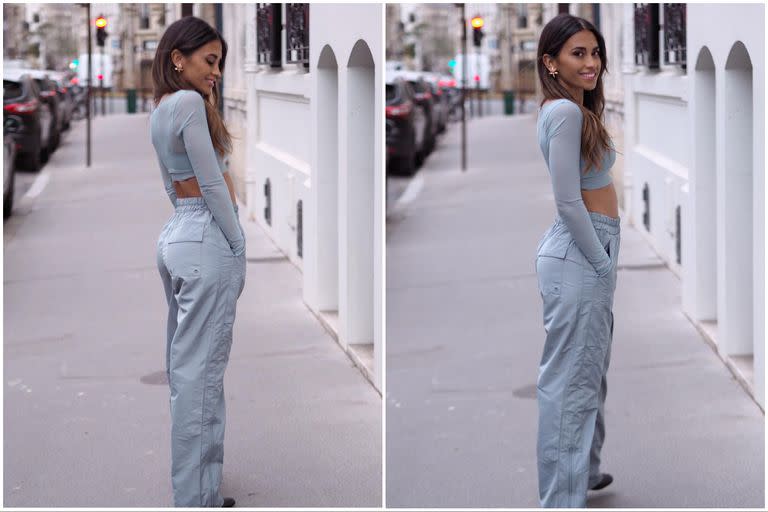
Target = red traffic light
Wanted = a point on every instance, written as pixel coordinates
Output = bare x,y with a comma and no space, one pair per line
99,76
101,22
477,78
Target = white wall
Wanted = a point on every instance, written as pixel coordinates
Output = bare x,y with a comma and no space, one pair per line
707,156
316,134
234,30
735,38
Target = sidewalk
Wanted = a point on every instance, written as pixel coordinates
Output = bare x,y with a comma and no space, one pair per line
86,404
464,339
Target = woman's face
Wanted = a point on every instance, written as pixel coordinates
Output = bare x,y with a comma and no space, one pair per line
578,64
201,68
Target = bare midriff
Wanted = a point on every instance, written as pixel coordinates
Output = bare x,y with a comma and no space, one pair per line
602,200
190,187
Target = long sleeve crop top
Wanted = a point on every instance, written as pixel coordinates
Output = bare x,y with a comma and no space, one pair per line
559,131
179,133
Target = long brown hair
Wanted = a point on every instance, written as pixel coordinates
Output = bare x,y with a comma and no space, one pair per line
187,35
594,137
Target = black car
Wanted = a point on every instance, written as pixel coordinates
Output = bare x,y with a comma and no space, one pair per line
422,96
66,99
9,172
406,124
27,117
50,92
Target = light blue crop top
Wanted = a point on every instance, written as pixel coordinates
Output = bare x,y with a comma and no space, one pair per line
551,118
559,130
182,141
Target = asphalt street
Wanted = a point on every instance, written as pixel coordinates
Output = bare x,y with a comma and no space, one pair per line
465,335
86,406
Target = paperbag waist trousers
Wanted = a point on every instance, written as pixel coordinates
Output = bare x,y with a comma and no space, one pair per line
571,387
203,280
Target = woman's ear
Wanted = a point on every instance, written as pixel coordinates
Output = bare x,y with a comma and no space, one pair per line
177,58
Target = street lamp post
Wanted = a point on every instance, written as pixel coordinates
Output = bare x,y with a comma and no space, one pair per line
477,39
101,35
88,87
463,88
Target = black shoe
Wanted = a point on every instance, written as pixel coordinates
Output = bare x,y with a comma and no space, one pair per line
605,481
228,502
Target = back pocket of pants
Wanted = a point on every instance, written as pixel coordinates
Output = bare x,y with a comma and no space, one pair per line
188,230
555,246
184,249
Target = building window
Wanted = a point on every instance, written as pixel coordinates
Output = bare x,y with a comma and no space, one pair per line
297,33
647,35
186,10
522,16
648,31
268,26
596,16
143,16
674,34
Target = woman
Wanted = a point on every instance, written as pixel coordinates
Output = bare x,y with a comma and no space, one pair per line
575,262
200,253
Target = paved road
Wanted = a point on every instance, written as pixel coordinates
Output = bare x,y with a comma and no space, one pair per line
464,338
86,420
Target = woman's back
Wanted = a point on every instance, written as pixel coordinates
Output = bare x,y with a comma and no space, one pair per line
167,123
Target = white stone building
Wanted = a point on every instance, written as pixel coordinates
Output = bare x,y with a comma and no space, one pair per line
309,157
695,172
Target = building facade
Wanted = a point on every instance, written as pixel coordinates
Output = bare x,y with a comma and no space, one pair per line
309,112
695,182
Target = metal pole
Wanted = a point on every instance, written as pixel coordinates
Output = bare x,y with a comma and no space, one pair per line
477,87
88,93
464,62
101,84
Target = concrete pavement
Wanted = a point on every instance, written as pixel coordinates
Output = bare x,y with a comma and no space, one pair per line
465,334
86,420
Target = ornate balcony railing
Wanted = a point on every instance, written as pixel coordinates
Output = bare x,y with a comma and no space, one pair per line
297,33
674,34
647,35
268,26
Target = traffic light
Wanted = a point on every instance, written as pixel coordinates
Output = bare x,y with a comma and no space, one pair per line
477,30
101,33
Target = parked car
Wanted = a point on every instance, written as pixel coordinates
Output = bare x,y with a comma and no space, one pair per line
27,117
79,97
422,96
49,92
9,172
406,125
442,102
66,98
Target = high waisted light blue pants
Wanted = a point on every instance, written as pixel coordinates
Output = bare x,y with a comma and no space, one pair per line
202,280
571,390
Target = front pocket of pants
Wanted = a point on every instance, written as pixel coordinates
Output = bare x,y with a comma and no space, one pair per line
217,237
